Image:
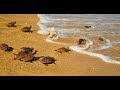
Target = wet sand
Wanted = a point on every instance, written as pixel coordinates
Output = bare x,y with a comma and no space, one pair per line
67,64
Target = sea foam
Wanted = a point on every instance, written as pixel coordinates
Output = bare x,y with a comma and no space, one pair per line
107,45
45,20
104,58
51,41
43,32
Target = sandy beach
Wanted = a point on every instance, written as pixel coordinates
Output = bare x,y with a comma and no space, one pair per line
67,64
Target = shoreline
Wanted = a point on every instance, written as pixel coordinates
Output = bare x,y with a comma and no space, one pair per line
73,64
73,45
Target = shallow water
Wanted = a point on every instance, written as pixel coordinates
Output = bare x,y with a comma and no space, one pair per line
106,26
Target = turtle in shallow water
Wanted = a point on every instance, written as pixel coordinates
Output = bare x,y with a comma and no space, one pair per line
101,39
11,24
27,49
48,60
82,41
5,47
25,56
87,26
63,49
26,29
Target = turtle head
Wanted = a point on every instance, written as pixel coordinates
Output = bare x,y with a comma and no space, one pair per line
10,49
14,22
56,49
67,47
32,48
35,52
30,27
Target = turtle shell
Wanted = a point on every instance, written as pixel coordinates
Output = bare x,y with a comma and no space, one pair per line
11,24
24,56
81,41
5,47
28,57
88,26
27,49
48,60
101,39
20,55
63,49
26,29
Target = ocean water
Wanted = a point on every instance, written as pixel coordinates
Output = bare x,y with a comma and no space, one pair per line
106,26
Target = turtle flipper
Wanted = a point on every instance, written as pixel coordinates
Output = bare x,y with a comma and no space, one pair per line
35,52
31,31
14,54
46,64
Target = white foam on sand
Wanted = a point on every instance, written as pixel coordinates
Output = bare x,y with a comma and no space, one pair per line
107,44
88,43
51,41
61,19
86,46
43,29
42,16
104,58
43,32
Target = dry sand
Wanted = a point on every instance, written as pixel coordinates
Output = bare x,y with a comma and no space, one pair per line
67,64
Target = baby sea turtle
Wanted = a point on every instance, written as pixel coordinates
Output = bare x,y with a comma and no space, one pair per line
5,47
20,55
26,29
11,24
28,57
63,49
101,39
82,41
27,49
24,56
87,26
48,60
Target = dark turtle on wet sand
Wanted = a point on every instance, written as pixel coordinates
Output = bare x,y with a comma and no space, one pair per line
5,47
87,26
25,56
48,60
27,49
82,41
101,39
11,24
27,29
63,49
